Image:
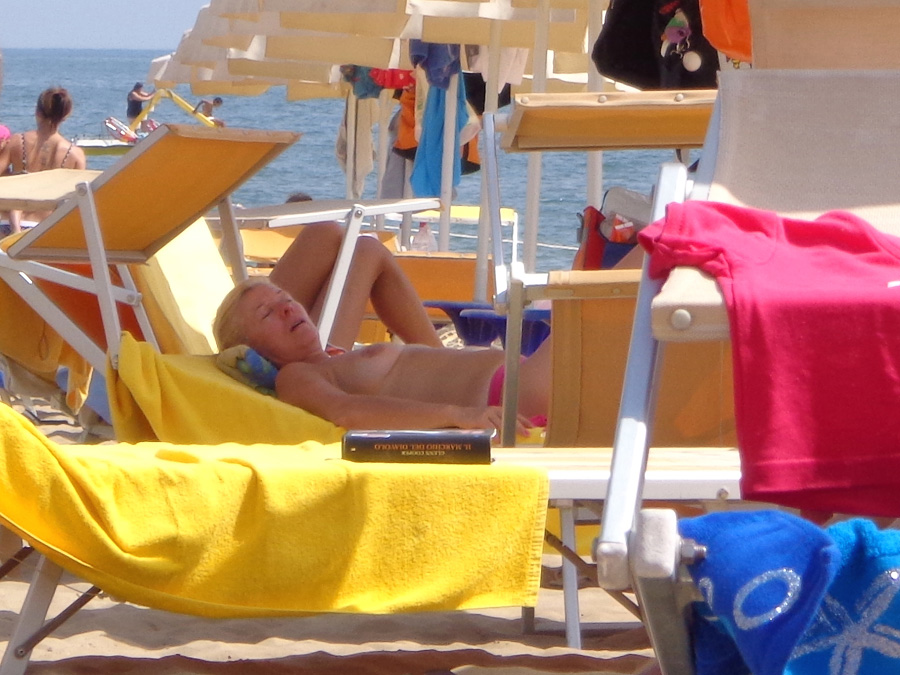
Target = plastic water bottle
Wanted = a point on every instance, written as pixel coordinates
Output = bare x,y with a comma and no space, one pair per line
423,240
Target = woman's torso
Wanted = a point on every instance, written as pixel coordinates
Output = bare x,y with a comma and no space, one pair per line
460,377
135,106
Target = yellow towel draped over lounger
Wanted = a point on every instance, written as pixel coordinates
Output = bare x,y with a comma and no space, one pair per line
184,398
260,530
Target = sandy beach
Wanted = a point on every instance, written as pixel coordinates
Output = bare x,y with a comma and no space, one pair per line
114,637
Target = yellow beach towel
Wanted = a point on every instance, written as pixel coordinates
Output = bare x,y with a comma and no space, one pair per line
182,398
266,530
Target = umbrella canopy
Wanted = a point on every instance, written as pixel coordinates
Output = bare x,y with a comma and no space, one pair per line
242,46
240,43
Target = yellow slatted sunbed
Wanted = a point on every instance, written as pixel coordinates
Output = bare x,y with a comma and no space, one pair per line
100,265
72,268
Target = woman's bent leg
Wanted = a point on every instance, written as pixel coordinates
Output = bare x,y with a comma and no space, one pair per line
376,276
306,267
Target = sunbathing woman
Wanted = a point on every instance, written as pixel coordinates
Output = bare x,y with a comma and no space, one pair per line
43,148
380,386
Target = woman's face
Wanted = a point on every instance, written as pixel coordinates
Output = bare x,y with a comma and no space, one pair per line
277,326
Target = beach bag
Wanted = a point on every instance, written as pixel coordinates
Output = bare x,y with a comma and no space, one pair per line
654,44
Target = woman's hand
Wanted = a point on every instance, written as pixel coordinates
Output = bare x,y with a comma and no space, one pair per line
490,418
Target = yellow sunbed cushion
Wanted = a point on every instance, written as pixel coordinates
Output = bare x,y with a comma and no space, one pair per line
269,530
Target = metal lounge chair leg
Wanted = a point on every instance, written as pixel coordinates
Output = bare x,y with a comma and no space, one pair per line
528,623
657,555
31,616
571,607
31,628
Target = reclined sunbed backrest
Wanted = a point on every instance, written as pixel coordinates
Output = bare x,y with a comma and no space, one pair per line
182,286
797,122
839,34
190,170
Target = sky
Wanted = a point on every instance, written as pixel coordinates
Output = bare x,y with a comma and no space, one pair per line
97,24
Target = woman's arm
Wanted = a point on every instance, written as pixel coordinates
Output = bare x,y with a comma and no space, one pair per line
77,159
13,156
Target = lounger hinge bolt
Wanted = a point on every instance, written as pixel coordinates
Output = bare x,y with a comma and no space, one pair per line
691,551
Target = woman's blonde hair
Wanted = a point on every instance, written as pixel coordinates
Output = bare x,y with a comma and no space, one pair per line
227,327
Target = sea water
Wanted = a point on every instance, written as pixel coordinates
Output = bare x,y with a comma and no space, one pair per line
99,81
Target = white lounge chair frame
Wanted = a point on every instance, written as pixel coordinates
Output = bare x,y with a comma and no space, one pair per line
845,171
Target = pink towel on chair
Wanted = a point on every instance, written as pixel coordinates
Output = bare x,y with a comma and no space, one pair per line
813,308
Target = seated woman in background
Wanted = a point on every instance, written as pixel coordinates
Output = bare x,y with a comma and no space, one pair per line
4,164
43,148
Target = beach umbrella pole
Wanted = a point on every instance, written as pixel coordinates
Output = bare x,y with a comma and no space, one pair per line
350,164
491,90
406,223
595,83
534,170
447,159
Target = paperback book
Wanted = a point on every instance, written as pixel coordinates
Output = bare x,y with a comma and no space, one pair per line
442,446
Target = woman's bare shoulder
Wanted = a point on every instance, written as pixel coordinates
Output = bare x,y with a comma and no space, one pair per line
77,158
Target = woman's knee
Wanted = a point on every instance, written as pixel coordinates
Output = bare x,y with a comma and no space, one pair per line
306,265
371,249
320,234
